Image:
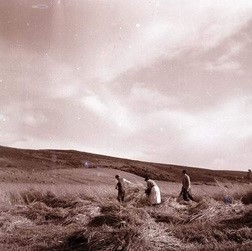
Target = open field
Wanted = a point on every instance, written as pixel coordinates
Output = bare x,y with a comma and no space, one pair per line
85,215
63,207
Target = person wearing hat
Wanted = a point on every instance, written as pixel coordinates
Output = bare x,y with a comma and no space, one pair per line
152,192
121,186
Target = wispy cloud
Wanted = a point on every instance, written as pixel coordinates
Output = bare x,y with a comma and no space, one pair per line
228,62
173,29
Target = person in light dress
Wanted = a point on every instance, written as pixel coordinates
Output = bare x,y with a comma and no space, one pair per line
153,192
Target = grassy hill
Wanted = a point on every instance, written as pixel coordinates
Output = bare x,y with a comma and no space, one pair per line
38,160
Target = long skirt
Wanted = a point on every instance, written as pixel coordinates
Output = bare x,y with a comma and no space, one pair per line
154,196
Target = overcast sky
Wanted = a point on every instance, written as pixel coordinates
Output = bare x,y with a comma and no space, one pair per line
164,81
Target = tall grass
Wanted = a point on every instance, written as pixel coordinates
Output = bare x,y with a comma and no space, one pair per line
76,218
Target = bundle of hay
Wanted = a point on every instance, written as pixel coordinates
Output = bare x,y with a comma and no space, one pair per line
113,214
247,198
136,196
115,240
40,213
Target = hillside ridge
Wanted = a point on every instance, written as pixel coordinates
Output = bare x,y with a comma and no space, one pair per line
47,159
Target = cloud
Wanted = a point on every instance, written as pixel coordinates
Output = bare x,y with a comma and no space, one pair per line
221,66
137,34
40,6
34,120
142,97
229,61
207,139
173,29
111,111
94,104
218,133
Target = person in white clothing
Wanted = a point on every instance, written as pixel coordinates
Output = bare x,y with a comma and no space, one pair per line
153,192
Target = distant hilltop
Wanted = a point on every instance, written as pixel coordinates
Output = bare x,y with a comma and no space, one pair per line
25,159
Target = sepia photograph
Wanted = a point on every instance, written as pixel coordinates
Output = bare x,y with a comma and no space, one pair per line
125,125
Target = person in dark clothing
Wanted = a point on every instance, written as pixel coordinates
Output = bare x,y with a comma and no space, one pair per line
249,176
186,186
120,186
121,192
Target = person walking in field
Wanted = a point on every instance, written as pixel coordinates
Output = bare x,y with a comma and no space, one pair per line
186,187
153,192
121,185
249,176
